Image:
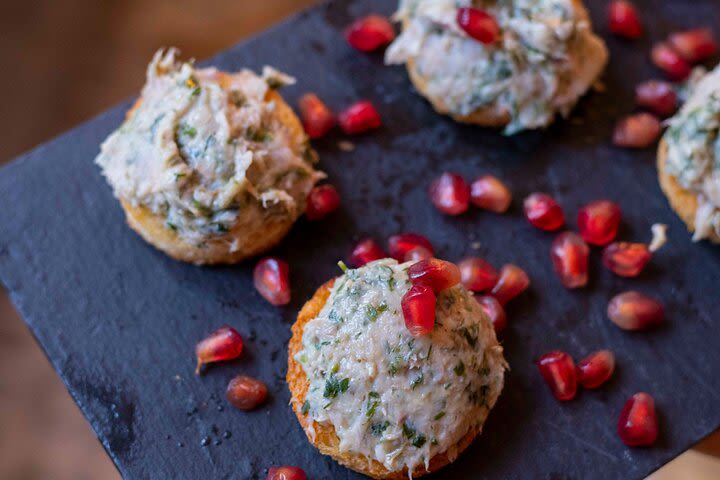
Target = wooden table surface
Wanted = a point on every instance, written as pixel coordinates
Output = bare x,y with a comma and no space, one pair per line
71,60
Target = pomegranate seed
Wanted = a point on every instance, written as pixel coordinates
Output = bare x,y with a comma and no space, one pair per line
490,193
570,258
598,222
317,119
286,473
669,61
637,131
418,253
322,201
271,277
245,392
543,212
418,306
477,274
399,245
638,425
635,311
596,368
512,282
450,194
478,24
558,370
225,343
494,310
359,117
365,252
436,274
694,45
624,20
658,96
370,33
626,259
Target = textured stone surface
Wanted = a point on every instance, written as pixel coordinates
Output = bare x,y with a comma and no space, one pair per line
118,320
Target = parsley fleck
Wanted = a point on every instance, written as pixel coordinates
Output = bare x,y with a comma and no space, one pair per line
335,386
378,429
408,431
471,339
374,395
334,317
417,381
186,129
459,369
439,415
419,441
342,266
305,408
371,408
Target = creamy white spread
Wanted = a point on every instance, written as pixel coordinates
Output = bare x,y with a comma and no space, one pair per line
202,145
534,71
391,397
693,154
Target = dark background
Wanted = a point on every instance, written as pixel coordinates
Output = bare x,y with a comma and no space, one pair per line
65,61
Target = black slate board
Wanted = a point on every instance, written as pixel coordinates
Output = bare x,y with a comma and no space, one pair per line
118,320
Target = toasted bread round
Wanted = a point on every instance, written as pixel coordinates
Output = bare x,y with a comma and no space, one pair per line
682,201
593,61
325,438
247,238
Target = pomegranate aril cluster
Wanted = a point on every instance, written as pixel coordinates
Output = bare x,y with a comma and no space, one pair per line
225,343
452,195
318,120
562,376
428,277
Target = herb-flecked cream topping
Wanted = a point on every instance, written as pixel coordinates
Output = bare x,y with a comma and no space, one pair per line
202,145
693,150
391,397
531,73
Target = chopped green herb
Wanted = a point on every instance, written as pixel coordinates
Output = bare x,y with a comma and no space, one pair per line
261,136
378,429
335,367
471,339
374,395
417,381
393,370
419,441
342,266
408,431
172,226
334,317
439,415
185,129
459,369
178,176
195,92
335,386
372,312
371,408
434,441
305,408
222,228
427,357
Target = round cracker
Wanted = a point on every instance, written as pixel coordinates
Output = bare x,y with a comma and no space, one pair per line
325,438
